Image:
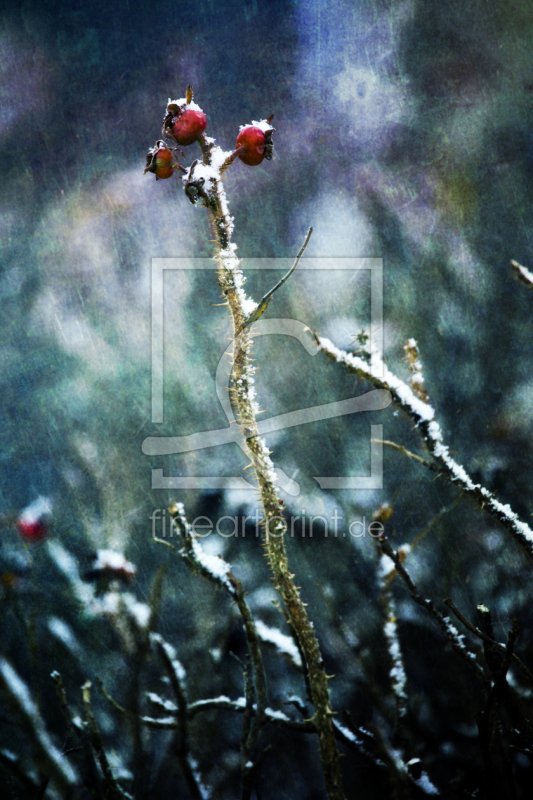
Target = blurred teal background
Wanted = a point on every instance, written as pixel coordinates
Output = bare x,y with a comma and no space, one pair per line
404,130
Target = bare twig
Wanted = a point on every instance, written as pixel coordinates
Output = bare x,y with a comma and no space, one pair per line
496,645
180,745
219,572
262,306
449,631
112,789
55,762
75,724
413,456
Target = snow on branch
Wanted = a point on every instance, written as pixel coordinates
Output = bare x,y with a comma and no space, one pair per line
285,644
212,567
523,274
219,571
176,674
451,633
53,760
423,415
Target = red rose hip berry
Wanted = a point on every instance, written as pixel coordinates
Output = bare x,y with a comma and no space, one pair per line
252,139
256,143
32,523
188,126
162,161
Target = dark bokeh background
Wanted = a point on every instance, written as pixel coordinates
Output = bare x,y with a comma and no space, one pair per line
404,130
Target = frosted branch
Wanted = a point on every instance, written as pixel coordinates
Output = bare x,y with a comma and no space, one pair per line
20,696
423,415
450,632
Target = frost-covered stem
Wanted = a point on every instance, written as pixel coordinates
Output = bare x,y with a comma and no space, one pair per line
218,571
112,790
449,631
74,723
488,639
53,761
180,745
397,670
423,416
230,281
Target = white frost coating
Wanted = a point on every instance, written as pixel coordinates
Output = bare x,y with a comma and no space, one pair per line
113,604
168,705
271,714
380,373
217,568
248,305
116,562
192,106
67,565
387,565
262,125
423,412
18,689
523,272
459,638
397,671
425,784
140,612
347,733
218,156
215,565
284,643
229,261
41,507
204,792
201,171
171,655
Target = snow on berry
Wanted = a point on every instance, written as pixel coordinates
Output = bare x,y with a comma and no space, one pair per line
256,142
31,523
184,120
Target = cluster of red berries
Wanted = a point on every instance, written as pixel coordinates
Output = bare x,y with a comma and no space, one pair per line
185,124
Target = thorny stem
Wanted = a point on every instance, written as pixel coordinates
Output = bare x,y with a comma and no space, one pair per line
230,281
